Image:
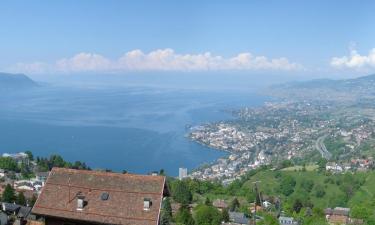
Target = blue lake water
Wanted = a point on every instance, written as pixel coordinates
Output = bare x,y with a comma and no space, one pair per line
131,128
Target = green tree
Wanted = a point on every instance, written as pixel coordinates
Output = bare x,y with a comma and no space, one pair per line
183,216
361,212
56,161
21,199
166,212
234,205
25,170
207,202
322,164
8,163
307,185
319,191
207,215
182,193
32,201
297,205
8,194
225,215
287,185
30,155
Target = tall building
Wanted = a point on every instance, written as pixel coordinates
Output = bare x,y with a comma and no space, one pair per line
182,173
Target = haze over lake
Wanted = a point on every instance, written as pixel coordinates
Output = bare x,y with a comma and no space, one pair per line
138,129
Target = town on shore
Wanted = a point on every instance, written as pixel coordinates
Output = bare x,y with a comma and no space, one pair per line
301,131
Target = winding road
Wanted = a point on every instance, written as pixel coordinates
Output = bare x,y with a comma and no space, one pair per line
320,146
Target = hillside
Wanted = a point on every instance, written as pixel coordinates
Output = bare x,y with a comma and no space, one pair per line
297,191
326,89
15,82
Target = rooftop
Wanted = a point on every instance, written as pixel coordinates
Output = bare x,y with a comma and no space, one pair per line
123,201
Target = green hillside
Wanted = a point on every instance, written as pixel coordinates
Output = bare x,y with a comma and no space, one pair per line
299,192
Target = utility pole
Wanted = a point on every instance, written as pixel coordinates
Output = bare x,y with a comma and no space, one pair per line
257,193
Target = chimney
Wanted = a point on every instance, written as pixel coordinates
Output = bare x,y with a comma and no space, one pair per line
147,204
80,201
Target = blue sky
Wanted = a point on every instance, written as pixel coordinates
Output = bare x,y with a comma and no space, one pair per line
296,37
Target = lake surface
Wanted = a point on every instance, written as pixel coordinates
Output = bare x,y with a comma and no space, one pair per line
139,129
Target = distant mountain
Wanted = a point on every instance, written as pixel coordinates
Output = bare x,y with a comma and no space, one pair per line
15,82
326,89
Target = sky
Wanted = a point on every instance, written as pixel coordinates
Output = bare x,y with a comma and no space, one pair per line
300,38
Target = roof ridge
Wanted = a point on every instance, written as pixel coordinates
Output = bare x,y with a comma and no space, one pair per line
105,189
105,173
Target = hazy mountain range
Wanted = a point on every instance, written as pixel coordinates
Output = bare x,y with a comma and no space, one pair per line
326,89
15,82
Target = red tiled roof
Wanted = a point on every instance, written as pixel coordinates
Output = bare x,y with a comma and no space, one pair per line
124,205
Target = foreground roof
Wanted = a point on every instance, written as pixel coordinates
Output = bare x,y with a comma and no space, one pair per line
124,203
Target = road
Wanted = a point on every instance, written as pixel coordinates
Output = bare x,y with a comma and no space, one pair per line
320,146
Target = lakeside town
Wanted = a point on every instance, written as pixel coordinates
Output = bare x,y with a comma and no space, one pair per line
298,131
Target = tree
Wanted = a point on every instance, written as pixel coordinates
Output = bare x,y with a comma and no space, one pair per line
285,163
56,161
166,212
307,185
8,163
21,199
207,202
30,155
322,164
25,170
361,212
8,194
184,216
319,191
207,215
32,201
181,193
297,205
225,215
234,205
287,185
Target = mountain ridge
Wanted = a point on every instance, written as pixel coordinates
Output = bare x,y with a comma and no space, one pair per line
9,81
326,89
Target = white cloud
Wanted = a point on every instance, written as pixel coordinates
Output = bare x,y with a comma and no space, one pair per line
355,60
84,62
158,60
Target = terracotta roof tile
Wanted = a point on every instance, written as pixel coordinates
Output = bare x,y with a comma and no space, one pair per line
124,205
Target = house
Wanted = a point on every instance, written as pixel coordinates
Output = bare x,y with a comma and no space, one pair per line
337,215
14,212
283,220
92,197
238,218
334,167
3,218
41,176
220,204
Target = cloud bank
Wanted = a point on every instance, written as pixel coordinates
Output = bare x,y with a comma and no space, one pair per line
355,60
158,60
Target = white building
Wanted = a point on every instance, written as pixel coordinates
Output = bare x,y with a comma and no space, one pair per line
182,173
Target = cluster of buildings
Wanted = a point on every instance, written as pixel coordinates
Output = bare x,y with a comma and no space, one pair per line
32,187
231,168
284,130
352,165
340,215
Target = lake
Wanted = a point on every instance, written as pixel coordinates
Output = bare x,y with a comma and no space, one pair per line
138,129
